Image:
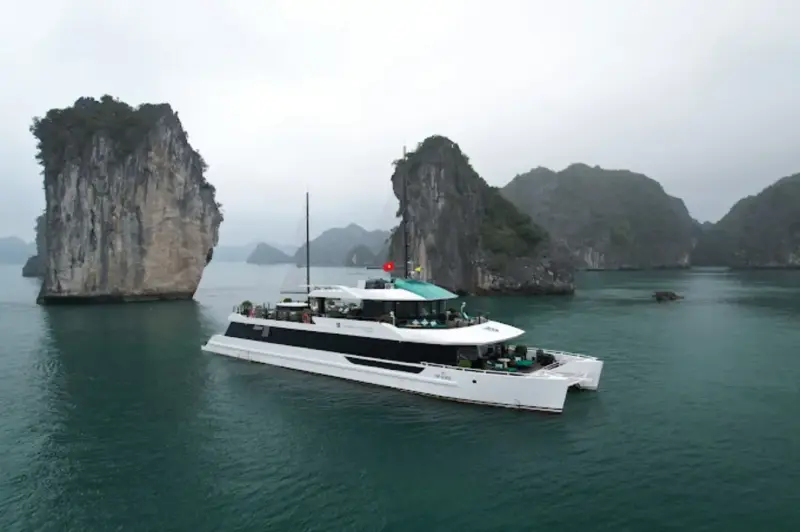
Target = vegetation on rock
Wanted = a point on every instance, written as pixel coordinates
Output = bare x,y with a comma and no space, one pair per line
64,135
428,150
505,232
464,235
608,218
761,231
122,184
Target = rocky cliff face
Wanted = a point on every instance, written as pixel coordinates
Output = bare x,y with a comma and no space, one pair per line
465,235
761,231
129,214
610,219
34,267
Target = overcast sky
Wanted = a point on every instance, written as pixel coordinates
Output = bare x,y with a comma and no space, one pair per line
703,96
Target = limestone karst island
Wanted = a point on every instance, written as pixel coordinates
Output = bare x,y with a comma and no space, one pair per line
130,216
529,236
466,235
128,213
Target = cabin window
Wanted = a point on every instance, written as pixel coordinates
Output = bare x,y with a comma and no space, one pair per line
493,350
318,304
420,309
468,352
430,309
376,309
406,310
349,345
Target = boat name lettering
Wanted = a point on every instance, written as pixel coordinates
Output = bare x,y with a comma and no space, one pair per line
357,327
443,376
490,328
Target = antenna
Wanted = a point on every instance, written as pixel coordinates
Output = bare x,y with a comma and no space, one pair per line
405,215
308,250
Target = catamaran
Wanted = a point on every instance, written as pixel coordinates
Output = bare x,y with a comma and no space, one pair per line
405,334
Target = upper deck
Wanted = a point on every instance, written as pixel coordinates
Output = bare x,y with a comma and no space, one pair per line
404,303
380,290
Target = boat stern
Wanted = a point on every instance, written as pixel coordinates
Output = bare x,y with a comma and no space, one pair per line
584,370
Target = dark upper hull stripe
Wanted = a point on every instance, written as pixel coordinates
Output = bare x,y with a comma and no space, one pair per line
362,346
384,365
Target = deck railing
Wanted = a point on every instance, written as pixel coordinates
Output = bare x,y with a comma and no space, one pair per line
263,310
556,353
460,368
259,311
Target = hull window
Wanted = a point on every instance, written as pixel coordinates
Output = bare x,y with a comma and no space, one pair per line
348,345
384,365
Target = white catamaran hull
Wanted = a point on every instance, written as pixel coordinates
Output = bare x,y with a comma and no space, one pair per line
544,390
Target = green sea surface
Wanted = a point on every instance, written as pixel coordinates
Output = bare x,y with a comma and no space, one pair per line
113,419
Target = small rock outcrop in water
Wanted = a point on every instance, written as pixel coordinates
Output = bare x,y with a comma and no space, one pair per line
129,215
610,219
466,236
759,232
666,295
34,266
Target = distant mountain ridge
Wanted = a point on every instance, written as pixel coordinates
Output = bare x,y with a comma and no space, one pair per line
610,219
333,246
241,253
14,250
233,253
264,254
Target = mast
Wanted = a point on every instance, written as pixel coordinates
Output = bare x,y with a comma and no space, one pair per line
308,250
404,176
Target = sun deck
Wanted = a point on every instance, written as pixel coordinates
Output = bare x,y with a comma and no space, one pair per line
362,294
382,290
406,303
400,313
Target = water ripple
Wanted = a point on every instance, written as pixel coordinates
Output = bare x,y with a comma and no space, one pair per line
115,420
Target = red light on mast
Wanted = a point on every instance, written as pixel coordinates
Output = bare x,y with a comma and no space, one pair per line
388,266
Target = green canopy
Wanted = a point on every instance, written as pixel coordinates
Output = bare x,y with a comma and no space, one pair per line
429,291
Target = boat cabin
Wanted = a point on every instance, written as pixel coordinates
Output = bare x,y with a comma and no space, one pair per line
286,310
290,310
291,306
407,303
404,303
